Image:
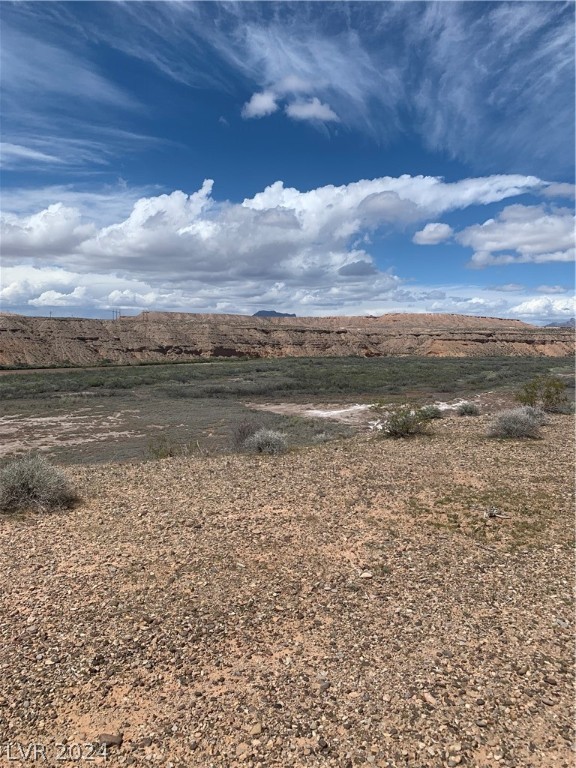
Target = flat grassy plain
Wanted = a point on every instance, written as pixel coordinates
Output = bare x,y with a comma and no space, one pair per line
135,412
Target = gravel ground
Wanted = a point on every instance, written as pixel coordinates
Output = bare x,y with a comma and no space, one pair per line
350,604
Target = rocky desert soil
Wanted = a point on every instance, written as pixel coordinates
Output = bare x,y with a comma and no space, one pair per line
178,336
365,602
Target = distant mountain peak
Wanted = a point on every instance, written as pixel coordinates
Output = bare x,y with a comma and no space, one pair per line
271,313
571,323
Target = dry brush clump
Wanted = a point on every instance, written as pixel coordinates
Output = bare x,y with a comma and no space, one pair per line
32,483
267,441
468,409
523,422
241,431
431,412
404,421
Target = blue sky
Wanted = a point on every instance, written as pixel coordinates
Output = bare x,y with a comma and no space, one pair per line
317,158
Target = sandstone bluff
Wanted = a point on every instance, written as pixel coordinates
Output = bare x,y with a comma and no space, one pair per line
175,336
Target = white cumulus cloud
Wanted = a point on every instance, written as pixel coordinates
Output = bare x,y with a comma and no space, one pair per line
432,234
75,298
546,307
560,190
308,251
313,109
57,229
260,105
522,234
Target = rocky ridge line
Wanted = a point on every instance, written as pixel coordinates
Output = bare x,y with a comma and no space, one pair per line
170,337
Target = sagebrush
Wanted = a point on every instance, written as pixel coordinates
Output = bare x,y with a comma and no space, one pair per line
32,483
536,414
266,441
468,409
516,423
431,412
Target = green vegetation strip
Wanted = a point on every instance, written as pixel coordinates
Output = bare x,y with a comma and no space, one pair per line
291,377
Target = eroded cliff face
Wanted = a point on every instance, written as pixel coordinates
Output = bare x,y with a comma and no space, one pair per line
164,336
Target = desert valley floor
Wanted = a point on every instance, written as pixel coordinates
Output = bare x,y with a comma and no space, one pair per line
346,604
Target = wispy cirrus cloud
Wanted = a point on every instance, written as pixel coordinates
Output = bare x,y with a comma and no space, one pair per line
79,146
48,73
485,76
13,154
552,289
473,79
57,106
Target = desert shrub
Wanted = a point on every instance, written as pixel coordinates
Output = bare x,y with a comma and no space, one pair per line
536,414
516,422
33,483
468,409
241,431
431,412
548,392
567,407
162,447
405,422
266,441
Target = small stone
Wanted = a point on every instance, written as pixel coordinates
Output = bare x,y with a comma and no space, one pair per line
110,739
255,730
324,685
242,748
454,760
481,723
366,575
429,699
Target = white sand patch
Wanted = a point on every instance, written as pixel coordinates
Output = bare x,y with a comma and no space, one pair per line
336,414
349,414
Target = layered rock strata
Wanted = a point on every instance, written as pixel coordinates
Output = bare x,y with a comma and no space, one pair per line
169,337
